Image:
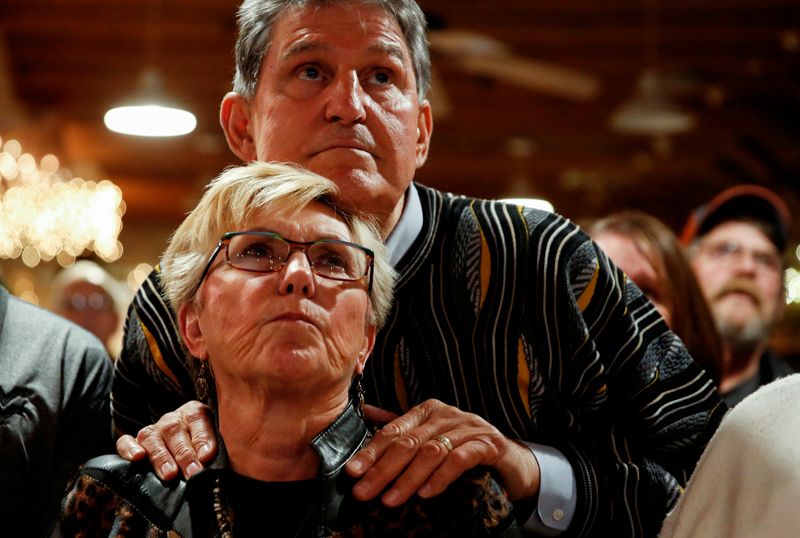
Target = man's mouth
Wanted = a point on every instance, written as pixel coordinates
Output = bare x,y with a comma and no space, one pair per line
741,294
346,145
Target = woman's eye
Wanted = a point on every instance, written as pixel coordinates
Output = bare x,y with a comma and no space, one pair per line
332,261
256,250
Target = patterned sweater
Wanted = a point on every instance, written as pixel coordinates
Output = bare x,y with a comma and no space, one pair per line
515,315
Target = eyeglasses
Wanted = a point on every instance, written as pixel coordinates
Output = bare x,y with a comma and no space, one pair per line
92,301
268,252
735,252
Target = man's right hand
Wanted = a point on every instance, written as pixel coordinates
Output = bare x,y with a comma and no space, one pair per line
183,439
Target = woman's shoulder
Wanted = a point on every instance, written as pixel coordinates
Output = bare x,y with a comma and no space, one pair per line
109,492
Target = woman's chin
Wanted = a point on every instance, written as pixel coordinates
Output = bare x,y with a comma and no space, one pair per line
295,364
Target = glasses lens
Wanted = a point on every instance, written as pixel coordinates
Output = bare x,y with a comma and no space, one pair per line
337,260
257,252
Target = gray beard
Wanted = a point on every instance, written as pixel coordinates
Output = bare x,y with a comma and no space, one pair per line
744,339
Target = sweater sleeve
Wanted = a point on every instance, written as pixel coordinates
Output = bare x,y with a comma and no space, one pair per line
150,377
637,410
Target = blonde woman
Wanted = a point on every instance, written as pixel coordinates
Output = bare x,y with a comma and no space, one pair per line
278,296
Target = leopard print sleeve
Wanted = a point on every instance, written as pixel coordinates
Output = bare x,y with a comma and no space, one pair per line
92,508
473,506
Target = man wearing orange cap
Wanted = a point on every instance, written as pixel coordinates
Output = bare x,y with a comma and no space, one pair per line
736,242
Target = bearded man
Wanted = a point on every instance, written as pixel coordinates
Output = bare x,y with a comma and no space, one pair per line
736,243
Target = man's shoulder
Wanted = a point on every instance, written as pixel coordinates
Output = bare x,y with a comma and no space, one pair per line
777,366
27,324
466,207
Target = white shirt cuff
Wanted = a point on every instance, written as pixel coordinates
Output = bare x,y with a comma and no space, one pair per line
558,492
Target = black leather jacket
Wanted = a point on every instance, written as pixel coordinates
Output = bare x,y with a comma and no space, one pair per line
143,505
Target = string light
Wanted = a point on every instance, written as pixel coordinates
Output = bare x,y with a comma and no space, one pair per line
45,213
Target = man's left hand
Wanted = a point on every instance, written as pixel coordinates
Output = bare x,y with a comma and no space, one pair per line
406,451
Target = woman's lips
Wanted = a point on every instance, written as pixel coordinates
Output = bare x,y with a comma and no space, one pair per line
294,316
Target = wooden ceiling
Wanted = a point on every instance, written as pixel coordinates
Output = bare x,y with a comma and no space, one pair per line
734,64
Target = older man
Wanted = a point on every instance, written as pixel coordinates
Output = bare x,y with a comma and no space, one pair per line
736,243
508,324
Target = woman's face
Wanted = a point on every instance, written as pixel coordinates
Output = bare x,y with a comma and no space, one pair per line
288,330
627,255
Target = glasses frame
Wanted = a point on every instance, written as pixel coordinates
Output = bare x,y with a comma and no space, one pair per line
294,246
718,250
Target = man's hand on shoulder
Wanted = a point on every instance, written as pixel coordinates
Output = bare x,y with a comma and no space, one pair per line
182,439
429,447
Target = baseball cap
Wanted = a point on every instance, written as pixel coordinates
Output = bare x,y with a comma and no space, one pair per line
748,201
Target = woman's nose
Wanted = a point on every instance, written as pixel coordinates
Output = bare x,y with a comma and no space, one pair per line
296,276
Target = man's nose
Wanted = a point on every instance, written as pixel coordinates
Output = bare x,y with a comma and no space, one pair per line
745,261
346,99
296,276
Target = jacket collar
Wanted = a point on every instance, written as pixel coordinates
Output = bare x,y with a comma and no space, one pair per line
335,445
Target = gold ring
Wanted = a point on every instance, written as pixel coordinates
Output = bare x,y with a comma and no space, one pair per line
445,441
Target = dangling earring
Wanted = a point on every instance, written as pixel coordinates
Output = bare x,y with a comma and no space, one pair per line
201,382
357,394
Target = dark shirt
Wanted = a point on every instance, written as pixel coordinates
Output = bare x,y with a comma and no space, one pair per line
284,503
770,368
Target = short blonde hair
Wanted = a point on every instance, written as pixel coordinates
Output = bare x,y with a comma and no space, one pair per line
228,204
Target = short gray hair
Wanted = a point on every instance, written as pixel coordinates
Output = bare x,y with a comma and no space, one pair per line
256,18
231,199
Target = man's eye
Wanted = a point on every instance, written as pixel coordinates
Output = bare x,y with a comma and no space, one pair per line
381,77
309,72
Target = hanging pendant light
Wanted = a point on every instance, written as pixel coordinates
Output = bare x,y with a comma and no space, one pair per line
650,111
148,112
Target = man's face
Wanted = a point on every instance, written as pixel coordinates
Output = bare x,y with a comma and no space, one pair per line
337,95
740,272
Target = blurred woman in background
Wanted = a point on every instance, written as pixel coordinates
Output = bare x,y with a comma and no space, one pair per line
650,254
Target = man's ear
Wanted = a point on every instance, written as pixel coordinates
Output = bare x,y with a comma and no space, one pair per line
369,343
424,131
234,116
192,334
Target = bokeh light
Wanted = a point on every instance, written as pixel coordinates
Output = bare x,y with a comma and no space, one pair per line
46,214
138,275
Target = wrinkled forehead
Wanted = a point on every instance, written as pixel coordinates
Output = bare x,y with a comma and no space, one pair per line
367,25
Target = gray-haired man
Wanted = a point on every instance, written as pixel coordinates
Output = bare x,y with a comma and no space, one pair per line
508,324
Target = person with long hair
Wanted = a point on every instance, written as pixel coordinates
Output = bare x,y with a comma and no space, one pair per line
653,258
